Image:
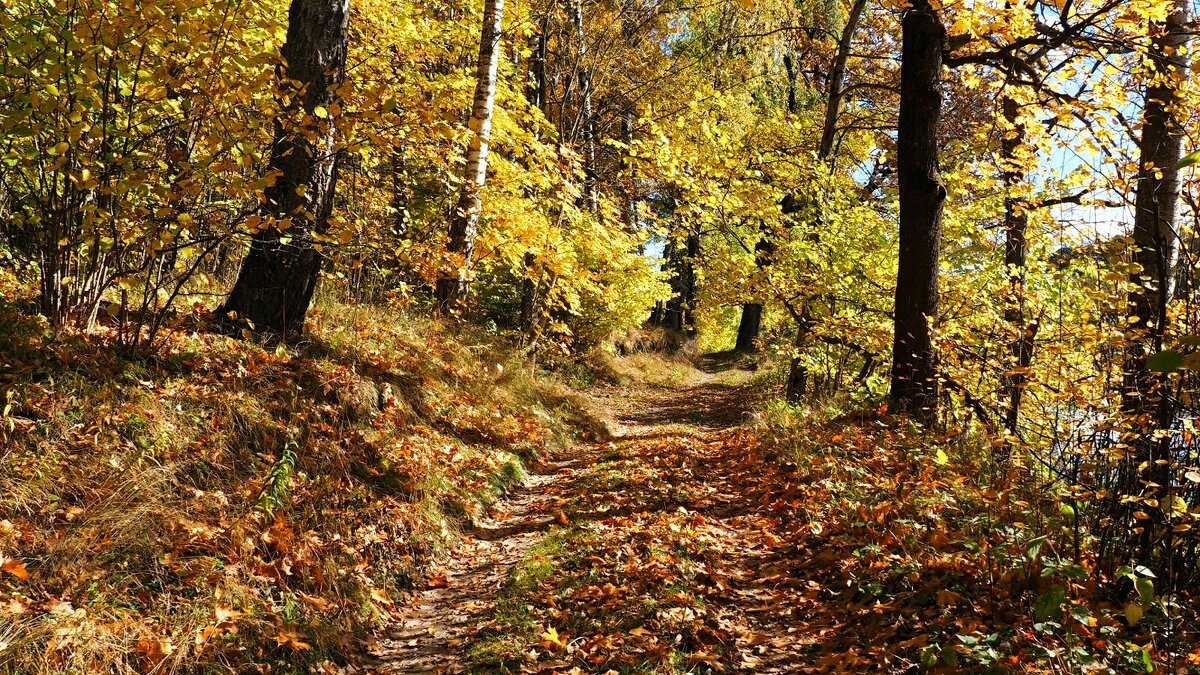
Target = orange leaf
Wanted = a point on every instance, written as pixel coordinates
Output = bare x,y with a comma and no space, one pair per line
16,568
292,638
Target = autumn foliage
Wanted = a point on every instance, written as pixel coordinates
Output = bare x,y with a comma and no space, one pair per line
944,253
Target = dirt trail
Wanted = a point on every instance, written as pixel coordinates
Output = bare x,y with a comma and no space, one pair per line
436,634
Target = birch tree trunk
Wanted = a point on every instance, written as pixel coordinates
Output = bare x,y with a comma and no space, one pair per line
464,223
279,274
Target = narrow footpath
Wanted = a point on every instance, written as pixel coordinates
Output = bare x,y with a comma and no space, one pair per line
655,551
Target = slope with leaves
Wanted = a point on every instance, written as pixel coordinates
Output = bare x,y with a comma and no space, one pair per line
223,506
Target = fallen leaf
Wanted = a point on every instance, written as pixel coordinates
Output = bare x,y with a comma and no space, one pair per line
16,568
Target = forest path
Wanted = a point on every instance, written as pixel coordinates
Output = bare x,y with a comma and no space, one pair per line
676,454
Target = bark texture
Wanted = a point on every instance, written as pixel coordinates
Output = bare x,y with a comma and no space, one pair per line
837,80
1016,225
452,290
279,274
1147,469
914,383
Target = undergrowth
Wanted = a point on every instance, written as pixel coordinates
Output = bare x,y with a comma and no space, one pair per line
947,569
222,506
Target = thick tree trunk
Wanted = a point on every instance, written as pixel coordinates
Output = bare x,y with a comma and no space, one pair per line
464,222
277,279
922,194
1144,398
751,322
749,327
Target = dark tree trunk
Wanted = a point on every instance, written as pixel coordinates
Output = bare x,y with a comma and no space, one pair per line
837,80
536,93
401,191
797,382
789,68
922,195
629,204
797,372
749,327
751,322
277,279
1016,223
678,312
1144,398
587,116
659,316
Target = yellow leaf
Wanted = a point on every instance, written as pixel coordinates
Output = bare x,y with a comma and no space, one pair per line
551,637
1133,613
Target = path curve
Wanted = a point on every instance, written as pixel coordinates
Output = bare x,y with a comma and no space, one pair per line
440,621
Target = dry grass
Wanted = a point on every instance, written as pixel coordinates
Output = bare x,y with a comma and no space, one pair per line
225,507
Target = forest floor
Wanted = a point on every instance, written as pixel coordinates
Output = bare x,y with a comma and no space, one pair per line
651,552
714,533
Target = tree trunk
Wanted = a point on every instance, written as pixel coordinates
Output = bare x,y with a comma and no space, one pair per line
277,279
797,382
837,80
922,195
749,327
751,322
1144,397
659,316
629,203
401,191
1016,223
529,297
536,91
789,68
678,312
464,223
797,372
587,119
